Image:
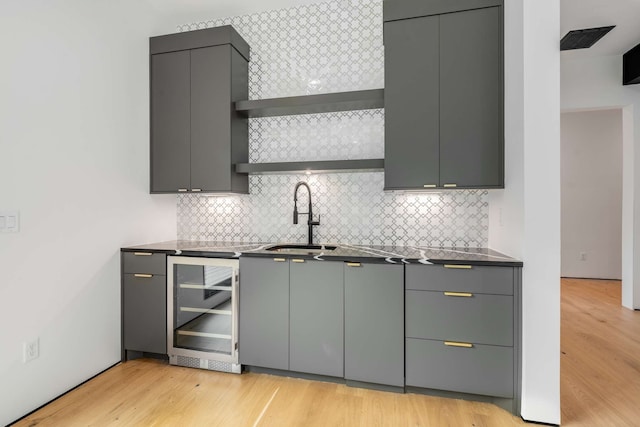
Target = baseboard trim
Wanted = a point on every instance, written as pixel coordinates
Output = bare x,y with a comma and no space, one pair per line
63,394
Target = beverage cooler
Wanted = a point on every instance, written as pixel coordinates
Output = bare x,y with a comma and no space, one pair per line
202,313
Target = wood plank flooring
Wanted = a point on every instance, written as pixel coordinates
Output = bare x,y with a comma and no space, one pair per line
600,360
600,386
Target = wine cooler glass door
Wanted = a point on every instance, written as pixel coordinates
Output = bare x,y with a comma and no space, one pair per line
204,307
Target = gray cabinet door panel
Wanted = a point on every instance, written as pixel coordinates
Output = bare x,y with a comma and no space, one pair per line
211,118
316,324
478,279
239,124
170,121
411,101
374,324
482,369
471,97
144,263
264,313
482,319
145,313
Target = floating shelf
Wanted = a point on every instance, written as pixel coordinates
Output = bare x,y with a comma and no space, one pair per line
311,104
366,165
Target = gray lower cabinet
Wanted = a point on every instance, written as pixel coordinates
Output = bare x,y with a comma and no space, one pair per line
263,334
196,135
316,319
480,369
328,318
144,302
444,112
374,323
462,329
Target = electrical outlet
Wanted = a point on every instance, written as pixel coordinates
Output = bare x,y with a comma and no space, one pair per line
30,350
583,256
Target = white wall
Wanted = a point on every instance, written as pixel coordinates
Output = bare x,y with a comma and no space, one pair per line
596,83
525,216
74,161
591,166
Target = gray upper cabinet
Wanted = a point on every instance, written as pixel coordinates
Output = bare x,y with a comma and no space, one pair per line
170,122
444,103
196,134
471,98
411,101
264,313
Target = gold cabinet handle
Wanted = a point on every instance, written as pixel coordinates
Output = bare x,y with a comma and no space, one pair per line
146,276
459,294
450,185
279,259
182,190
429,186
458,344
142,253
458,267
354,264
196,190
297,260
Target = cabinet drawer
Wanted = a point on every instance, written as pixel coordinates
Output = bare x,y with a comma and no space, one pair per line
481,369
143,263
483,319
145,313
477,279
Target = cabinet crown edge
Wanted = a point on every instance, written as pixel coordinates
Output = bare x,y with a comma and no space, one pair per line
394,10
215,36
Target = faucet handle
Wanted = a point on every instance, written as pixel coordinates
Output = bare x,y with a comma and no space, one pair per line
312,222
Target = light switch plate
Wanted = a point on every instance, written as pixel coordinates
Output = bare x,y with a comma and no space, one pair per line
9,221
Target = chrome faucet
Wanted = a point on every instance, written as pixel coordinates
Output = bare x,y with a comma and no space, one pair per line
309,213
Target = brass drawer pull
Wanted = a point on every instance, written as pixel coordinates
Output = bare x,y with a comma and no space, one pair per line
182,190
429,186
353,264
458,267
142,253
459,294
279,259
196,190
450,185
458,344
297,260
146,276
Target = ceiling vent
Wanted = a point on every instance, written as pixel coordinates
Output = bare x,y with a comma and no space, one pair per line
583,39
631,66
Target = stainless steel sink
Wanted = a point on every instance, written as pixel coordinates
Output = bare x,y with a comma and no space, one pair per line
301,248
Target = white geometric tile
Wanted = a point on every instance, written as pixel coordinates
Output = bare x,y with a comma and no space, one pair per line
320,48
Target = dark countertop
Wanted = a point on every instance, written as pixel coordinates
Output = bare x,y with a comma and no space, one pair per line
343,252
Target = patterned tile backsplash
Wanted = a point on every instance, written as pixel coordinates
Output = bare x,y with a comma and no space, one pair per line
326,47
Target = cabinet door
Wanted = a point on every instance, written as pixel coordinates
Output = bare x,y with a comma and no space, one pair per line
264,313
411,100
471,98
374,324
170,122
316,325
211,118
145,313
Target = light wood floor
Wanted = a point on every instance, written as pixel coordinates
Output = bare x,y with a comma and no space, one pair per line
600,386
600,360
